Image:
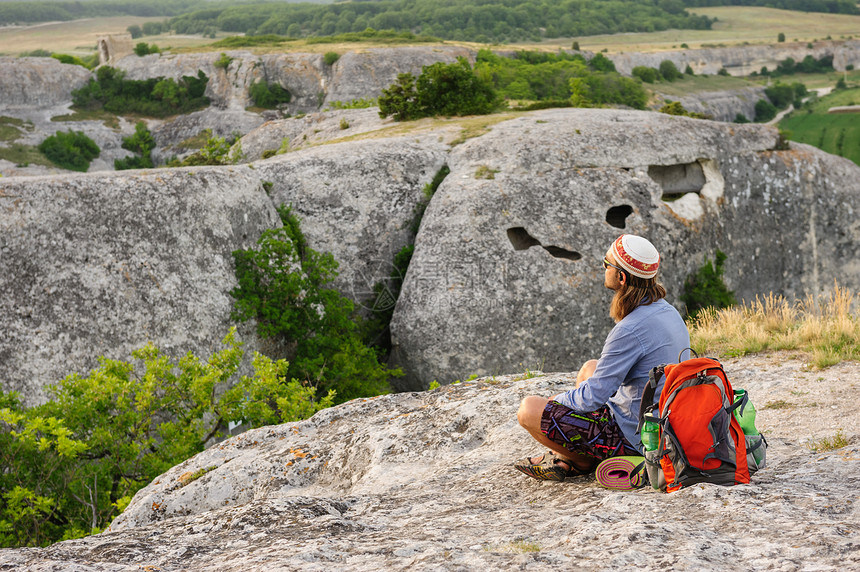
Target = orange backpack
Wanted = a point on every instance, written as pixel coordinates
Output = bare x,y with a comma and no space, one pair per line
700,440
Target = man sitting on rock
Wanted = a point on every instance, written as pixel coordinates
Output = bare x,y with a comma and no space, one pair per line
598,418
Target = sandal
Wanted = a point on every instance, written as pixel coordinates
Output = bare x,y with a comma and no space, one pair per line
548,469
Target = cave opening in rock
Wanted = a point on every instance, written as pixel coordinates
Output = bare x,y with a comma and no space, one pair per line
678,180
522,240
617,215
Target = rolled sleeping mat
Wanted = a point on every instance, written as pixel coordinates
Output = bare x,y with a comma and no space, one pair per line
618,473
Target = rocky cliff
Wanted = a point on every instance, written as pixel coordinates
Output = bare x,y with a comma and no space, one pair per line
312,83
743,60
424,481
100,264
38,82
506,271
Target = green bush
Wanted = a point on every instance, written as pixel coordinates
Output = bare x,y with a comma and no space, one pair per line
706,287
223,62
154,97
135,31
89,62
69,466
675,108
141,144
646,74
764,111
441,89
544,78
285,286
669,71
215,151
330,58
71,150
142,49
598,89
268,95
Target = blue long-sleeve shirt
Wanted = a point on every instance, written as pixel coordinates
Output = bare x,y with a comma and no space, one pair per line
649,336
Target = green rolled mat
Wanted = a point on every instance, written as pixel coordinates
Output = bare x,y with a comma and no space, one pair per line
615,473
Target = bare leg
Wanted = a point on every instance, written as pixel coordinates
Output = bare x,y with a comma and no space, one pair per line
529,416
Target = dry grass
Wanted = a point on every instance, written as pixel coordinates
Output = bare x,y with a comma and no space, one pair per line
735,25
827,328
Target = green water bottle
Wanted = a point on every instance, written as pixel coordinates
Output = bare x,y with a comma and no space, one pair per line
650,438
747,417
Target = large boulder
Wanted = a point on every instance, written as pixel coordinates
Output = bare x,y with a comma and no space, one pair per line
38,82
424,481
95,265
356,200
507,273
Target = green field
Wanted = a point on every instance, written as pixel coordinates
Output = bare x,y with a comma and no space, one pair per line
837,133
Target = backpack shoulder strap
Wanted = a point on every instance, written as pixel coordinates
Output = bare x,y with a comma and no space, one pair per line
648,394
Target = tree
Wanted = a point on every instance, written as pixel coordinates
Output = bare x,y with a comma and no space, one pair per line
69,466
441,89
780,37
764,111
454,89
669,71
400,99
135,31
645,73
601,63
284,285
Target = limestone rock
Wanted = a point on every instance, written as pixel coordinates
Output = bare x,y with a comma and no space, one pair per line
38,82
99,265
507,273
742,60
363,74
311,129
356,200
423,481
723,105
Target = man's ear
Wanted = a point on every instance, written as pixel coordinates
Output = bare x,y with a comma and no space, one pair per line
622,277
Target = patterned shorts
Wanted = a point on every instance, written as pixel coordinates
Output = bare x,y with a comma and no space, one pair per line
594,434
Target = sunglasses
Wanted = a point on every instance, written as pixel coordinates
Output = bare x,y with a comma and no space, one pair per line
607,265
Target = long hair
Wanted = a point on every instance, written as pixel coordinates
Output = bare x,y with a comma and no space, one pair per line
634,293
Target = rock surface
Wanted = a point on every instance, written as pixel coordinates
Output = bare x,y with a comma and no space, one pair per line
100,264
722,105
423,481
743,60
356,200
38,82
506,270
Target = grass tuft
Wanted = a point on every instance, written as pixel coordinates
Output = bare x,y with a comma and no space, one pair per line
828,443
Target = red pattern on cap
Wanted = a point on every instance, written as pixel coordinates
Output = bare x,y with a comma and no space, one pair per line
632,265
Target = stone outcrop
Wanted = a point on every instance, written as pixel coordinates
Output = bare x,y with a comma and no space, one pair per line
355,200
742,60
38,82
722,105
283,135
96,265
423,481
311,82
506,272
